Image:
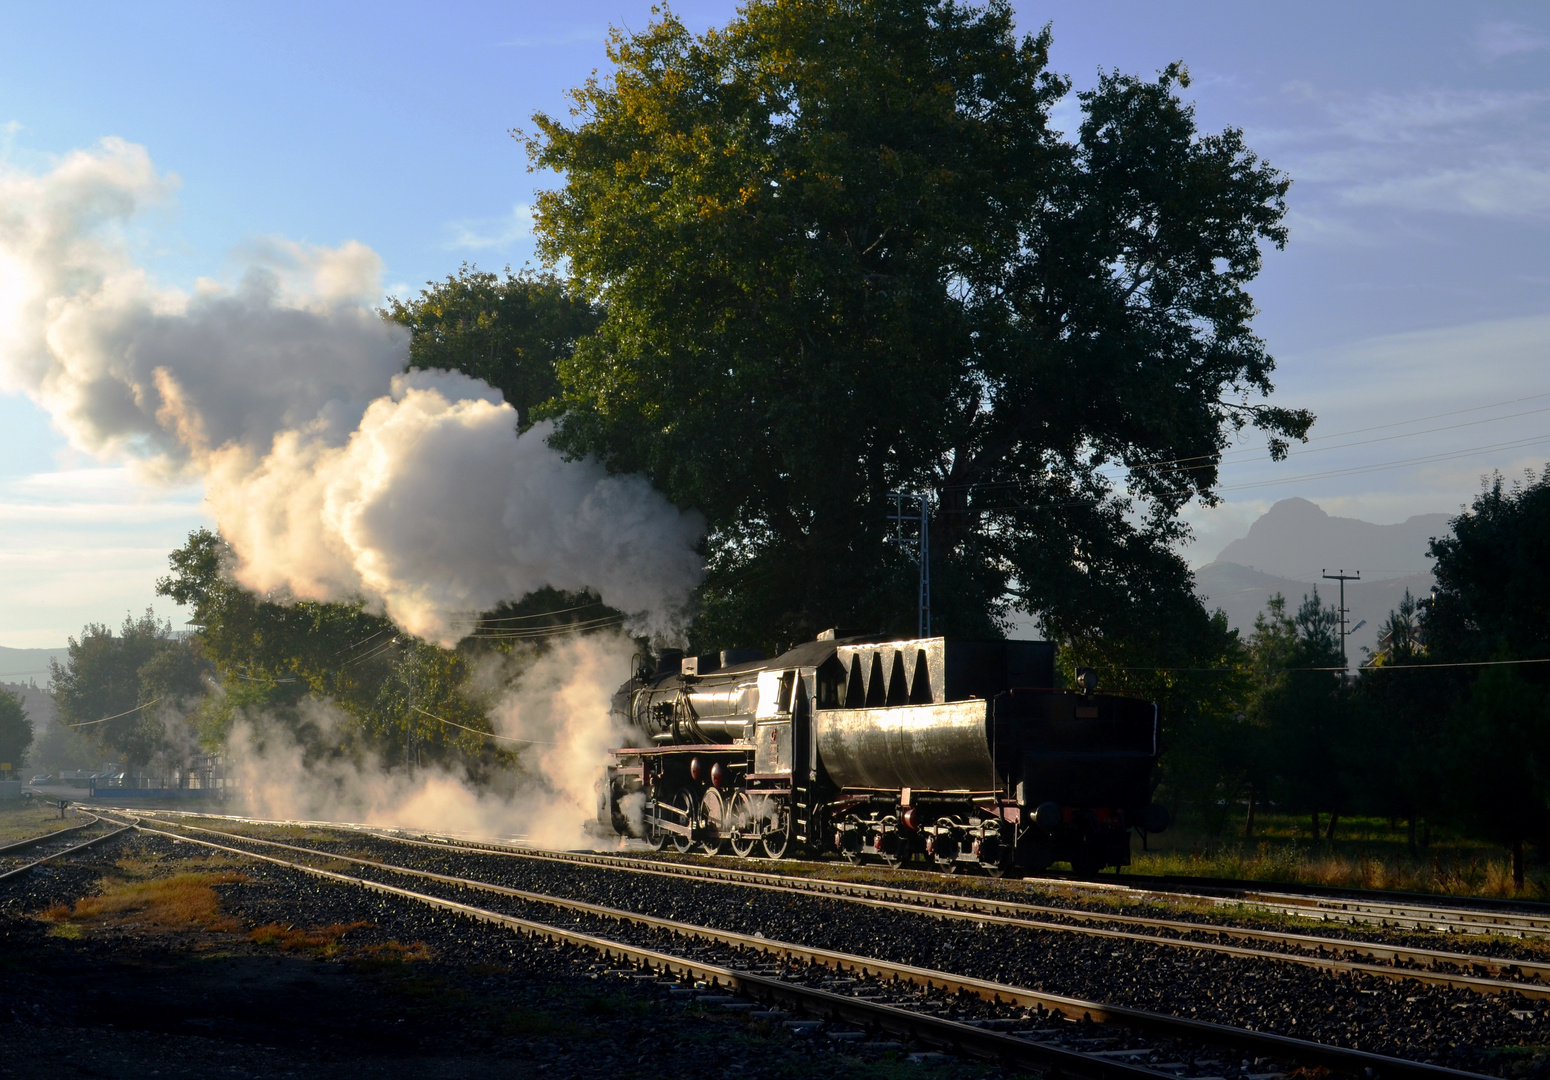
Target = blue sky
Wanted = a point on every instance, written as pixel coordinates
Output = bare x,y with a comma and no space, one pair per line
1417,282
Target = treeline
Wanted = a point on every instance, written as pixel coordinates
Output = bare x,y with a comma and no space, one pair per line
1448,721
337,679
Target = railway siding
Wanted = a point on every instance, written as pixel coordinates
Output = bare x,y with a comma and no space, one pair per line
983,1039
1265,993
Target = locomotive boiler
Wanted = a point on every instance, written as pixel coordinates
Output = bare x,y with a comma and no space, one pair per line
962,753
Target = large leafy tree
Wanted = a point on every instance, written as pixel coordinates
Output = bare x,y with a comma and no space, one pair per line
1491,607
109,683
1301,708
510,330
843,252
15,729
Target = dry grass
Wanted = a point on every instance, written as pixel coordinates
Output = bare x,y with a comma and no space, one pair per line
324,941
327,943
185,901
1369,855
21,819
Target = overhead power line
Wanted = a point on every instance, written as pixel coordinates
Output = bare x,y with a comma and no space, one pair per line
476,731
115,716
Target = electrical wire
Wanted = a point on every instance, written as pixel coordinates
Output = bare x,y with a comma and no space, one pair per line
539,615
1381,667
105,719
476,731
1297,452
1425,459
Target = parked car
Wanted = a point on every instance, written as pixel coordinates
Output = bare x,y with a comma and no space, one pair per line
41,779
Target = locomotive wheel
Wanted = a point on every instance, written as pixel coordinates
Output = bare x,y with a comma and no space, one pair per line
742,825
656,837
682,802
712,813
776,822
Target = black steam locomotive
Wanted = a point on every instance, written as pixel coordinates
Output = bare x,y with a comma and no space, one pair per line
958,752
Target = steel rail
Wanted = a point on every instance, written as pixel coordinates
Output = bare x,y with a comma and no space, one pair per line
93,842
961,1036
34,841
1014,913
949,905
994,912
1306,906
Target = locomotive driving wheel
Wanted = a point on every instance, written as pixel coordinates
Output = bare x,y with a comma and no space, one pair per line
681,806
742,825
655,836
713,810
775,827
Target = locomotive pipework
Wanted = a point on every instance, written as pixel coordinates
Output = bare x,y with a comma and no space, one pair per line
962,753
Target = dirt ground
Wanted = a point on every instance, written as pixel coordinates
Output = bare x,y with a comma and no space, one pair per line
150,958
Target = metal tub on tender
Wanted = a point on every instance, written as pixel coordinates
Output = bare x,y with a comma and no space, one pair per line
929,747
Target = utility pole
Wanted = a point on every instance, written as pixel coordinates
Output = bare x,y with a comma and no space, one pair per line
921,542
1343,577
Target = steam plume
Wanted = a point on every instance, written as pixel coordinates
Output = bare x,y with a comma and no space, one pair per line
332,474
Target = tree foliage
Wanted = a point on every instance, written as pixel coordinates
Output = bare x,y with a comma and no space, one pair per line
844,252
1492,604
109,683
402,698
510,330
15,729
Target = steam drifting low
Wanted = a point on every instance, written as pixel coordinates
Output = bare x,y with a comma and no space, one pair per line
331,472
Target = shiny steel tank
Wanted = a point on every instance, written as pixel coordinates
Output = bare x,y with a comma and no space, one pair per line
921,714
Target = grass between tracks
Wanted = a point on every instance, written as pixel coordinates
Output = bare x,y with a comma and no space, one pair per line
155,895
1369,853
22,819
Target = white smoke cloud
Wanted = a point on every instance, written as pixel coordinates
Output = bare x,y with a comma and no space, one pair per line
558,706
332,474
435,506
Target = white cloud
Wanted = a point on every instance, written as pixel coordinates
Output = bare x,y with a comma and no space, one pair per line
1441,113
1504,190
479,234
1494,40
326,467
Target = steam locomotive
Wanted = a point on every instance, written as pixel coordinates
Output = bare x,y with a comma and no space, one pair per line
959,753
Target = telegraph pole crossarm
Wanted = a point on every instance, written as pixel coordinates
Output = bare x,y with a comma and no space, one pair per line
1343,577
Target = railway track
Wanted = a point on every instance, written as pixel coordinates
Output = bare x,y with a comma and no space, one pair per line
1528,978
1013,1025
1316,952
1353,909
53,840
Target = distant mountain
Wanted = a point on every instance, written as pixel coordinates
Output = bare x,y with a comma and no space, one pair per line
19,665
1242,593
1296,539
1288,549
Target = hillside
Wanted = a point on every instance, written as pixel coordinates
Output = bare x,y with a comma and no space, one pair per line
1287,550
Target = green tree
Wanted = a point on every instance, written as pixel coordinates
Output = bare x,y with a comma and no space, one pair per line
1301,707
1491,607
15,729
406,700
98,690
844,253
1403,707
511,331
